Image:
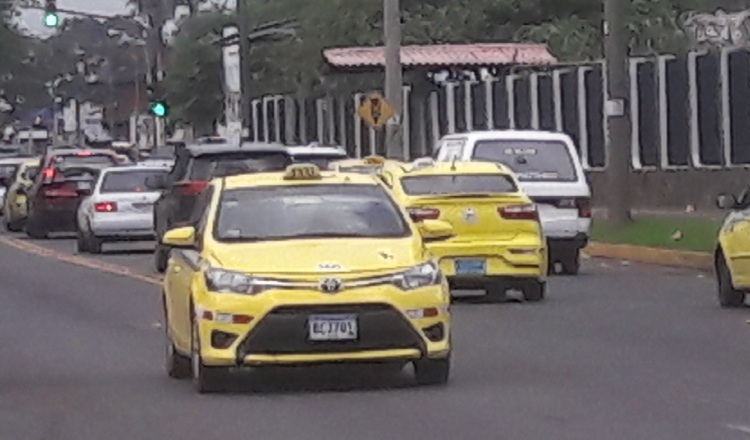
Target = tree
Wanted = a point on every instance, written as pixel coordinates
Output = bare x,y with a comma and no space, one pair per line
194,81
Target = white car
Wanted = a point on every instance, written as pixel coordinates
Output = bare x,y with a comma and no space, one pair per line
321,156
549,171
120,208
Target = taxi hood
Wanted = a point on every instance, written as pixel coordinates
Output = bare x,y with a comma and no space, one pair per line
307,257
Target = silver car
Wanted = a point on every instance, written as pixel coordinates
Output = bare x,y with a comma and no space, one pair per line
120,207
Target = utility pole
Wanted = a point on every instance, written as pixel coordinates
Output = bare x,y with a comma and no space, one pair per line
618,111
242,27
393,77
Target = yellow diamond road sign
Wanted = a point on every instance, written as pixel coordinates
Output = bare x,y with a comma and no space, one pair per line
375,110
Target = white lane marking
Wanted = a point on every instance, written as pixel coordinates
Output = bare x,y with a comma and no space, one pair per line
741,428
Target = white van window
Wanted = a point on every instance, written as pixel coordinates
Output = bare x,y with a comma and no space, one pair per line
531,160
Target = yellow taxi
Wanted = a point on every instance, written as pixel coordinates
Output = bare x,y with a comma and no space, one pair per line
14,204
303,267
498,243
732,253
368,165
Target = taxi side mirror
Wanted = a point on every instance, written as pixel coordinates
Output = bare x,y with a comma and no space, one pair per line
726,201
183,237
434,230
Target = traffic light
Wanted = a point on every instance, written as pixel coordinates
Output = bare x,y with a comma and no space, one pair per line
51,19
159,109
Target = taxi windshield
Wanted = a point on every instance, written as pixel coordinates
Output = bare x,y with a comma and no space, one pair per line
456,184
128,181
309,211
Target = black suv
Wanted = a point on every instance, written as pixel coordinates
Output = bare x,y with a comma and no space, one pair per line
195,166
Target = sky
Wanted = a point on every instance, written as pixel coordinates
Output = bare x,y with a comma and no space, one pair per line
32,19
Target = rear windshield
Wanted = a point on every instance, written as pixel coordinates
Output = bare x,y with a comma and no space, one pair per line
8,171
310,211
458,184
93,161
207,167
128,181
531,160
321,160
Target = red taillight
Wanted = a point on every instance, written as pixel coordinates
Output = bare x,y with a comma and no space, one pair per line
63,191
48,174
519,212
419,214
84,153
105,207
190,188
584,208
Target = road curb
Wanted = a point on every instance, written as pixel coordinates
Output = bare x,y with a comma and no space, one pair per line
703,261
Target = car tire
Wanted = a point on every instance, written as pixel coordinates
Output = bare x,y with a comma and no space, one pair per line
177,365
94,244
572,263
82,244
161,258
205,379
34,230
534,291
729,297
12,225
432,371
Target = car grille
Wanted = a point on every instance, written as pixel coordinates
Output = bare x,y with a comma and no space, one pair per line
284,331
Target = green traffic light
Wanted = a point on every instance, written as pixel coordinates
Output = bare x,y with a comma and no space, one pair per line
51,19
159,109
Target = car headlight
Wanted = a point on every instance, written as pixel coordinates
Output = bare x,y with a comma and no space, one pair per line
227,281
426,274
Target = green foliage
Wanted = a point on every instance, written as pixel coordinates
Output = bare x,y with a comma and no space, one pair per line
194,78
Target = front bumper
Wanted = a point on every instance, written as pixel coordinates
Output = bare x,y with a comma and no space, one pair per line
123,226
515,259
278,332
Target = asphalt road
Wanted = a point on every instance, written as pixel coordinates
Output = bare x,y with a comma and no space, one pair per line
619,352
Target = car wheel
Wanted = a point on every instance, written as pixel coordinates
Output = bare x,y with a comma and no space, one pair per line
34,230
729,297
82,244
205,379
13,225
432,371
94,244
534,291
161,258
572,263
177,365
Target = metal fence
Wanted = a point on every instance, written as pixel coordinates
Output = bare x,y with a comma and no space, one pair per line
687,112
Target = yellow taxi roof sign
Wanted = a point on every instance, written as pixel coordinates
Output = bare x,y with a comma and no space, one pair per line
302,171
374,160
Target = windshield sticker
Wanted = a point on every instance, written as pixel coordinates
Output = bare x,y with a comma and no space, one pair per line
232,233
520,151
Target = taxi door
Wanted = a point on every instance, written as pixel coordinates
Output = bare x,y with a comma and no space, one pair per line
736,246
182,267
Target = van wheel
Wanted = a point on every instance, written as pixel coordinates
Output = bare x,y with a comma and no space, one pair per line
572,263
729,297
161,258
534,291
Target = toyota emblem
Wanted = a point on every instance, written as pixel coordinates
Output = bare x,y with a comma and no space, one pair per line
330,285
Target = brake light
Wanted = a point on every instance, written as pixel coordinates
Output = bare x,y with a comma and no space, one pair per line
105,207
48,174
64,191
83,153
419,214
584,208
190,188
519,212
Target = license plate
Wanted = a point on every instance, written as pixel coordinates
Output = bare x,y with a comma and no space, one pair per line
332,327
84,186
470,267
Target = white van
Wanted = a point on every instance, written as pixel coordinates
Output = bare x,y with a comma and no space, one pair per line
549,171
